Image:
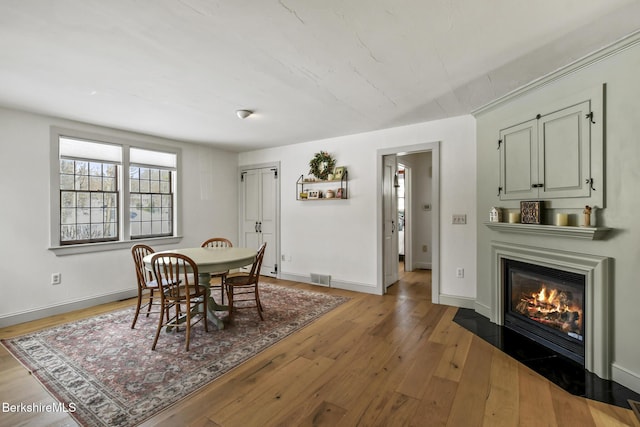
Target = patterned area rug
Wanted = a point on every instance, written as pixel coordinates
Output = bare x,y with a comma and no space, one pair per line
107,372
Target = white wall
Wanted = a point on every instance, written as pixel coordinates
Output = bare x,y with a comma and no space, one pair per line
209,206
339,237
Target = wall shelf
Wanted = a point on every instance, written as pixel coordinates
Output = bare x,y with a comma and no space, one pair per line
588,233
304,188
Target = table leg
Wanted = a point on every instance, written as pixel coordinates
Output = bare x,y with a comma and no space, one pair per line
212,305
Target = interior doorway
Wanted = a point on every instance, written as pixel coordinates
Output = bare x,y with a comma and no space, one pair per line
418,220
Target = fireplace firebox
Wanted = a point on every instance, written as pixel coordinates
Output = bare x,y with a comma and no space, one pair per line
546,305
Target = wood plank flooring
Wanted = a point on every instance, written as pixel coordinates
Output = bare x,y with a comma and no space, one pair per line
393,360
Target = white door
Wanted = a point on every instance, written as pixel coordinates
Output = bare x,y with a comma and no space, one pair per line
390,221
259,214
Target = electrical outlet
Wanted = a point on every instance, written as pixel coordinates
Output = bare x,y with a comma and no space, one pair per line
56,278
459,219
460,272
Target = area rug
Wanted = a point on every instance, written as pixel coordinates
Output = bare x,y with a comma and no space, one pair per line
107,374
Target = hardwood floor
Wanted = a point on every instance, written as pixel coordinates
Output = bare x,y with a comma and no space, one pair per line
374,361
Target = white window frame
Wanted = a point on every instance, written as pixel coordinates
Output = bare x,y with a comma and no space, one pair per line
123,178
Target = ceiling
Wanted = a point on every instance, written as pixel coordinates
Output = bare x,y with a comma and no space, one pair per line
309,69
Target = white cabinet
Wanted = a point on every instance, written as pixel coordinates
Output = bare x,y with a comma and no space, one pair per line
554,156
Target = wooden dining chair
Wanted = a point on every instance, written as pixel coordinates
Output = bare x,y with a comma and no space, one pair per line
218,279
146,283
242,289
181,293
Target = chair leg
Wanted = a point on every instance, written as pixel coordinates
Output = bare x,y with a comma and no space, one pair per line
188,337
150,302
258,303
135,316
155,340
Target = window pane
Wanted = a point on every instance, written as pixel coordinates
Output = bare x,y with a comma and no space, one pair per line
110,230
146,228
154,187
83,232
82,168
144,186
97,200
67,233
109,184
67,182
111,215
134,184
68,199
83,200
95,169
109,170
83,216
95,183
97,215
67,166
154,174
68,216
110,200
97,231
82,182
136,229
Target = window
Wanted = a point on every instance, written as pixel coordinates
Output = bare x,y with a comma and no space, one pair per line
108,192
88,201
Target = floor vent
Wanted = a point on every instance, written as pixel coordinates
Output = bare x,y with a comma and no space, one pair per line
321,279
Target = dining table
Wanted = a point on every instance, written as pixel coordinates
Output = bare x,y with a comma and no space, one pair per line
211,261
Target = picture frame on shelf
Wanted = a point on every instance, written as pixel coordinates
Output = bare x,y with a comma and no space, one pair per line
338,172
313,194
530,212
341,193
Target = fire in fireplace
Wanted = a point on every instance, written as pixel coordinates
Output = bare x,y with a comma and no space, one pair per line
546,305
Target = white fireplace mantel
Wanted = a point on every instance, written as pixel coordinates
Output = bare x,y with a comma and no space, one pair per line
596,272
589,233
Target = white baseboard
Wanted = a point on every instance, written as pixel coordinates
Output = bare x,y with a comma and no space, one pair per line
422,265
456,301
40,313
482,309
338,284
625,377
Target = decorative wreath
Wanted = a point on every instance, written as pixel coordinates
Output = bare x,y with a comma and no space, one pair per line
322,165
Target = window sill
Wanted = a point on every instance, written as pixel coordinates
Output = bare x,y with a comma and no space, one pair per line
110,246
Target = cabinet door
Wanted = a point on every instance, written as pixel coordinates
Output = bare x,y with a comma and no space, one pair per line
564,160
259,214
519,161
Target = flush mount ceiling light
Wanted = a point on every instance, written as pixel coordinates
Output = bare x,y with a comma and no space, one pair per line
243,114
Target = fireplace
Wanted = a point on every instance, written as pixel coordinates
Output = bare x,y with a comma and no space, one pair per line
581,330
547,305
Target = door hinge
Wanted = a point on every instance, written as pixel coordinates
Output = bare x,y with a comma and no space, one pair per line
590,117
242,176
275,269
537,185
589,181
499,190
275,172
499,142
